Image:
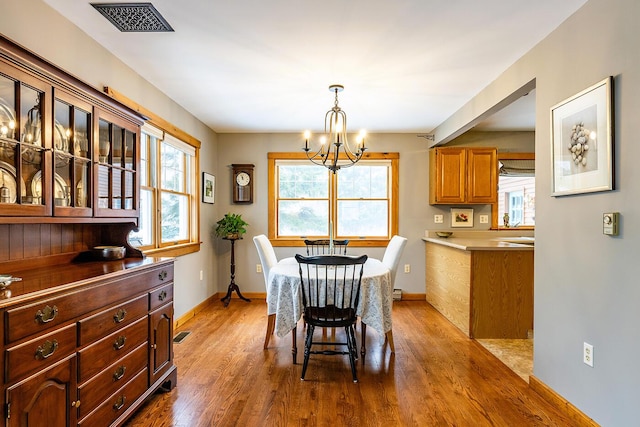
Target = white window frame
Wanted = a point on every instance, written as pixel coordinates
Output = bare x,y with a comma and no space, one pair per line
391,159
155,138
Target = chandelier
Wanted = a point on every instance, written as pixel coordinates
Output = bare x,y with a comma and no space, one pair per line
335,152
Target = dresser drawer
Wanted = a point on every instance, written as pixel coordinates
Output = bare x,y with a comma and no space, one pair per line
95,391
117,403
105,352
37,317
39,353
111,319
160,296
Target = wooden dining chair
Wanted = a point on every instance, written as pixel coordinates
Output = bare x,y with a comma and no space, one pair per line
330,294
321,247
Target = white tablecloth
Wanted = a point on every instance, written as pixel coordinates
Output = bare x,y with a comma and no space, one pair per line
285,300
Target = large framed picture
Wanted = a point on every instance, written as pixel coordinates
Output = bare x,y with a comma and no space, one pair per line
582,141
208,188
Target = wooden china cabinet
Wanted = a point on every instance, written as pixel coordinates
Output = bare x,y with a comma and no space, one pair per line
84,341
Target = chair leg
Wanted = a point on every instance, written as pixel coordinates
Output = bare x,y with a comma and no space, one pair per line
294,343
307,350
271,324
388,338
363,347
353,350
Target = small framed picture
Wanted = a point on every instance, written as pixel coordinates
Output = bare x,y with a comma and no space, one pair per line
208,188
582,141
461,217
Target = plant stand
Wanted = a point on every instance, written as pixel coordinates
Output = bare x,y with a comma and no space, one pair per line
232,286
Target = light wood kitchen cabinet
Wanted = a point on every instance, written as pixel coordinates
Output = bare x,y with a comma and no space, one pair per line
463,175
485,293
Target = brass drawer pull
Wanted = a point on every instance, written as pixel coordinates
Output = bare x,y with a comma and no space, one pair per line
119,343
163,275
162,296
46,315
119,373
119,403
75,404
46,350
119,316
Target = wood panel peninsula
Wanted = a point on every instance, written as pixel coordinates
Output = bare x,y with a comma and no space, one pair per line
482,281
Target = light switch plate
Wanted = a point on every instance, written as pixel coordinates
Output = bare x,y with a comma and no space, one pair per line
484,219
438,219
610,223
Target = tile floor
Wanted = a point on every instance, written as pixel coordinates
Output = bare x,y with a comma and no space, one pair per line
517,354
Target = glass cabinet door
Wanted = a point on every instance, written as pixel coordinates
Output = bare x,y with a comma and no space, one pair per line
72,123
23,145
116,185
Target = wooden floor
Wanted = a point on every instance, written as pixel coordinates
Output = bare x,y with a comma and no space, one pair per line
437,377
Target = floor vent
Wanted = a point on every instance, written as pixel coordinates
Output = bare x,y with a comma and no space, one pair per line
133,17
181,337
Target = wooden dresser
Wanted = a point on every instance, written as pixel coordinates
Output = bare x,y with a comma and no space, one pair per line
85,343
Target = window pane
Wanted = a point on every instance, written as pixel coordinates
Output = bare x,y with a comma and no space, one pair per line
303,218
144,237
521,209
175,217
303,181
363,218
360,182
144,160
173,164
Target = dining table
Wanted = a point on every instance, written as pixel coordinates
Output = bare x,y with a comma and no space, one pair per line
284,299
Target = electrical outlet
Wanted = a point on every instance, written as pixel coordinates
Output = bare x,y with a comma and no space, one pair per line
201,275
407,268
258,268
484,219
587,354
438,219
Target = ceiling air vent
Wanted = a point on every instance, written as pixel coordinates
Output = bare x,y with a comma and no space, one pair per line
133,17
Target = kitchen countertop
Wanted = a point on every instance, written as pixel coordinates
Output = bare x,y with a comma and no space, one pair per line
485,240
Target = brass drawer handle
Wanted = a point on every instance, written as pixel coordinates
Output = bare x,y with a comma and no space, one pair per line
119,316
75,404
162,296
163,275
119,343
46,315
46,350
120,402
119,373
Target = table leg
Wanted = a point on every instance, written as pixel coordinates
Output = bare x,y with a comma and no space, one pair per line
232,288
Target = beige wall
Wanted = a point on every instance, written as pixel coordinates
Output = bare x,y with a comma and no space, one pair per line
253,148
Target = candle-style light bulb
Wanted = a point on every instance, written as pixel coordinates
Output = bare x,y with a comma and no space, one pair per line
361,136
307,135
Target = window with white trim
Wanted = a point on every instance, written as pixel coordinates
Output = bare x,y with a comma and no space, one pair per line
168,192
308,201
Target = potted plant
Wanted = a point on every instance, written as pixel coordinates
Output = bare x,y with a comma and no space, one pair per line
231,226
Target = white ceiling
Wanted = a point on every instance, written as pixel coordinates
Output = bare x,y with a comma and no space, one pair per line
265,66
